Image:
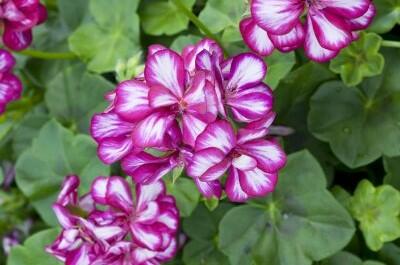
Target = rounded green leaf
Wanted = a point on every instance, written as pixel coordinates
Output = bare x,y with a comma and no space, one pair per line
361,59
360,123
388,15
55,153
186,194
278,230
392,168
182,41
377,210
32,252
163,17
346,258
279,65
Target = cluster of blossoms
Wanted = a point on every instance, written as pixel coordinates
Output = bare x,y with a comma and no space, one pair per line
322,27
10,85
106,226
18,17
180,113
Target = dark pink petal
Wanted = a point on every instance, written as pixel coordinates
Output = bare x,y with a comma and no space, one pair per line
160,96
146,236
204,160
42,14
131,101
191,53
69,191
348,9
215,172
150,132
269,155
169,219
192,126
98,190
331,31
313,49
233,188
142,255
148,193
219,135
165,68
109,125
149,214
64,217
251,104
209,189
7,61
256,37
257,183
247,70
79,257
101,233
277,16
17,40
365,20
110,150
118,194
291,40
244,162
152,49
195,96
169,252
265,122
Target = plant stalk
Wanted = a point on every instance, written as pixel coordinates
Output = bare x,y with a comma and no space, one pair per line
48,55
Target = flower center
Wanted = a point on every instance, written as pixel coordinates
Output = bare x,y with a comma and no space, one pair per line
315,4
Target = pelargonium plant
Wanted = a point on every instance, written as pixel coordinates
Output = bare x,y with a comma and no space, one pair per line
108,226
185,106
10,85
18,18
322,27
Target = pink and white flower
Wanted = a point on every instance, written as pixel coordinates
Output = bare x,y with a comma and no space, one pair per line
18,18
329,25
136,232
10,85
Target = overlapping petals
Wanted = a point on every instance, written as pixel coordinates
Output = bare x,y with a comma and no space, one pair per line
174,117
108,226
10,85
18,18
328,27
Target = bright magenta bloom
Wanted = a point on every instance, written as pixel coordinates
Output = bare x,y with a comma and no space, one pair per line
10,85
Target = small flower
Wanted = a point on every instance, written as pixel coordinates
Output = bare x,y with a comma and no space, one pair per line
10,85
18,18
329,25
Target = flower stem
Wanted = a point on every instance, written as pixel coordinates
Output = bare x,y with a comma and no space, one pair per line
197,22
48,55
391,44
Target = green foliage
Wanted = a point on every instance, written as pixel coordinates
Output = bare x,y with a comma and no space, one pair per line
279,65
392,168
54,154
361,59
377,210
354,120
32,251
111,35
344,258
186,194
388,15
277,230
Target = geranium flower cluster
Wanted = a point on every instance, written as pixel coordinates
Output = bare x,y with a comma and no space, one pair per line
198,112
18,18
322,27
10,85
106,226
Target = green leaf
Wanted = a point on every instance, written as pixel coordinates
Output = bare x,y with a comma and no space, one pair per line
222,15
186,194
377,210
32,252
112,35
54,154
182,41
74,95
277,230
390,254
202,228
361,123
388,15
163,17
73,12
361,59
346,258
392,168
279,65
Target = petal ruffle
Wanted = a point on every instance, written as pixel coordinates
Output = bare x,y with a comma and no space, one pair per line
257,183
204,160
256,37
233,188
219,135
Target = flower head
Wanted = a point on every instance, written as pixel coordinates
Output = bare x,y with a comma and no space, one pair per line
10,85
328,27
18,18
122,230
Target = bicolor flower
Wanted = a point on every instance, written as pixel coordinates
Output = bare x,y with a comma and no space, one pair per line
329,25
252,163
18,18
10,85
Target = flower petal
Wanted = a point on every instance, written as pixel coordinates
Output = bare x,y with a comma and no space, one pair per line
165,68
64,217
69,191
149,214
106,125
204,160
216,171
244,162
291,40
79,257
118,194
98,190
209,189
256,37
17,40
257,183
277,16
146,236
110,150
148,193
160,96
192,127
247,70
219,135
233,189
365,20
348,9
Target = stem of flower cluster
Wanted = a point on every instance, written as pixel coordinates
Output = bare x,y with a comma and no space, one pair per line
197,22
390,44
48,55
